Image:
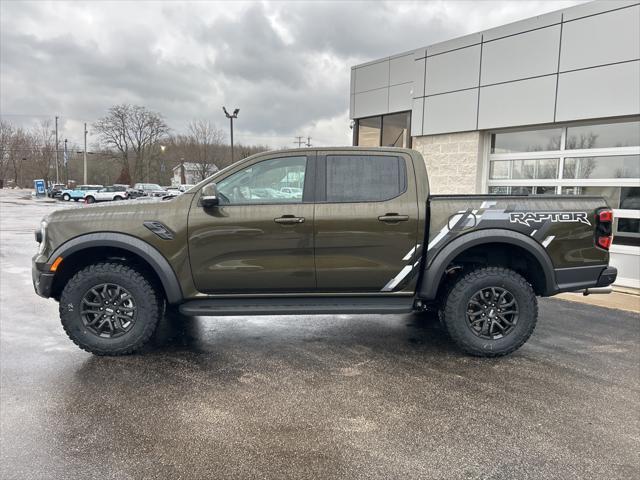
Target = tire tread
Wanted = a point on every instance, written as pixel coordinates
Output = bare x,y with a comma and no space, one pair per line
124,271
455,295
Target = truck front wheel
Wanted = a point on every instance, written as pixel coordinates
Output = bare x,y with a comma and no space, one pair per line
490,312
109,309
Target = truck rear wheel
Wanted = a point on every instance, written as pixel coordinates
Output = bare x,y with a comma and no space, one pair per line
490,312
109,309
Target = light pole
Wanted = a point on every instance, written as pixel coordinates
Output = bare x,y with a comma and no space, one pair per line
57,146
231,117
84,156
66,160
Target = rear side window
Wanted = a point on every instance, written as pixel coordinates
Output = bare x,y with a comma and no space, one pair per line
364,178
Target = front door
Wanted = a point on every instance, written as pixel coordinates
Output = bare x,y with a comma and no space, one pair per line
366,223
260,237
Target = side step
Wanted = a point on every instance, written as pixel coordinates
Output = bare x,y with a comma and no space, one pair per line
296,306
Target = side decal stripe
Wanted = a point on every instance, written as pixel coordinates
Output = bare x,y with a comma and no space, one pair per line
547,241
397,279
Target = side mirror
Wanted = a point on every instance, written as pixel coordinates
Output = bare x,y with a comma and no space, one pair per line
209,196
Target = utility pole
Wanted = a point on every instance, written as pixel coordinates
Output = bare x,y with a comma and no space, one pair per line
84,156
57,162
66,160
308,141
299,140
231,117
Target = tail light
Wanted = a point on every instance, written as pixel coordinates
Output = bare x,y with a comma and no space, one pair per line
604,228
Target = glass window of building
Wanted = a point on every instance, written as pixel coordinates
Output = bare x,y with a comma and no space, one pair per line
612,135
391,130
395,130
580,159
369,131
529,141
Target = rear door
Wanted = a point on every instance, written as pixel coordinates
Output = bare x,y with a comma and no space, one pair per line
366,222
258,239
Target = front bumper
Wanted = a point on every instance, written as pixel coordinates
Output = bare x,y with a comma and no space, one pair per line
42,279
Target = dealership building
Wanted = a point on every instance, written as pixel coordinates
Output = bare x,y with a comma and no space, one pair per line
546,105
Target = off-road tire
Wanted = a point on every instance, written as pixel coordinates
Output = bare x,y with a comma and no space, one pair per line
457,301
66,197
89,199
148,302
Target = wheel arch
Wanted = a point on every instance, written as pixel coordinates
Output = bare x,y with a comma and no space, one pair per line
92,247
434,273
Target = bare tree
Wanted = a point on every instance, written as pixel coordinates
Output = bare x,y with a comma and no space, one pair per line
208,140
6,138
135,131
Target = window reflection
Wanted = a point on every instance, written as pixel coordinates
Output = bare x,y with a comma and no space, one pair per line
386,130
622,166
369,131
529,141
395,130
523,169
625,134
540,190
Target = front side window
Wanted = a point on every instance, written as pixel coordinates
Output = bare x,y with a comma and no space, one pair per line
364,178
279,180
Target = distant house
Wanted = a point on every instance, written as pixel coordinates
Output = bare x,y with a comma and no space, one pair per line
193,173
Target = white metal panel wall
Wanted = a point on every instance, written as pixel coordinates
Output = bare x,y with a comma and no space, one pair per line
608,91
517,103
451,71
371,103
451,112
401,69
527,55
602,39
370,77
590,51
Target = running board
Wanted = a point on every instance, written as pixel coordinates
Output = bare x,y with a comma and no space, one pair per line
296,306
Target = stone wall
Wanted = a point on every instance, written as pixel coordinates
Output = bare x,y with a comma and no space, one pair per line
454,161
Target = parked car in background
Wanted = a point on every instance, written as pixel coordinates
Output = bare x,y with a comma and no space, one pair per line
106,194
55,190
150,189
184,188
291,192
79,192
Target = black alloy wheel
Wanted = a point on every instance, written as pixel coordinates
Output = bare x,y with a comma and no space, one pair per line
108,310
492,313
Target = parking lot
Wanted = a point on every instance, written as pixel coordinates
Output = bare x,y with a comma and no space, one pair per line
310,397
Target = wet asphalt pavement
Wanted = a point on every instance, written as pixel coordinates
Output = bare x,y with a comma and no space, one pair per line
355,397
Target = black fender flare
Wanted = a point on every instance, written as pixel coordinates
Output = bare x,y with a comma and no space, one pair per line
131,244
434,272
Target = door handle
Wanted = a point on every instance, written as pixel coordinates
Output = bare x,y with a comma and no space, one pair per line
393,218
288,220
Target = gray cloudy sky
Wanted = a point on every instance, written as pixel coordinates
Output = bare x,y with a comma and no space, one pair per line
286,65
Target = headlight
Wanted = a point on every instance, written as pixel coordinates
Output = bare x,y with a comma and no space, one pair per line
42,238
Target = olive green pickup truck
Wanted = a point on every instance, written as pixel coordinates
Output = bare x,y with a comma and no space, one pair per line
321,231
